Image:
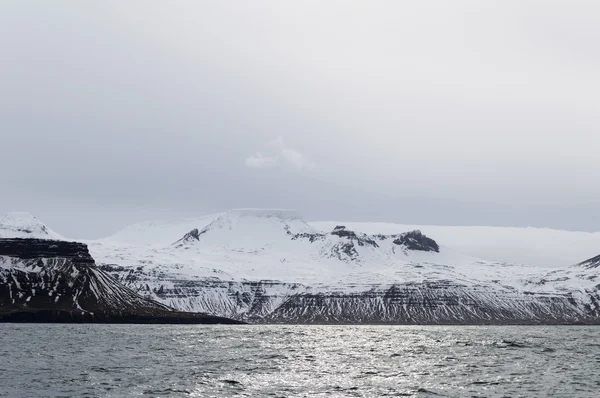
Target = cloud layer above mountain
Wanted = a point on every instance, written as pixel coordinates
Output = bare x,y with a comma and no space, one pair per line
425,112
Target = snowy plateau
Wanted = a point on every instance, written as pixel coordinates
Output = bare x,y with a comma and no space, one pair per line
271,266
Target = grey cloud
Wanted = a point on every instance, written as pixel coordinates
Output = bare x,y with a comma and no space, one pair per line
280,155
420,112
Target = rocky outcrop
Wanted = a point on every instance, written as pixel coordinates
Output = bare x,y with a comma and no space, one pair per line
593,262
347,248
344,245
361,240
190,237
415,240
57,281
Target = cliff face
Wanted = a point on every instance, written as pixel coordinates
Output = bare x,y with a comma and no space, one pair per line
48,280
434,302
27,249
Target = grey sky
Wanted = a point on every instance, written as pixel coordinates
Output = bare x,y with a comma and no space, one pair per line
433,112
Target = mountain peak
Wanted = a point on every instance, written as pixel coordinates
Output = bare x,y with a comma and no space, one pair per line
249,228
19,216
20,224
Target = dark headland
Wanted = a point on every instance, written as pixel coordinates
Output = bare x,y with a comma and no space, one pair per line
50,281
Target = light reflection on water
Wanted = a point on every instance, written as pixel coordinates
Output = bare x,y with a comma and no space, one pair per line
284,361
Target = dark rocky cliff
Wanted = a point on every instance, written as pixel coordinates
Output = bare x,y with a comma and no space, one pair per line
41,248
593,262
415,240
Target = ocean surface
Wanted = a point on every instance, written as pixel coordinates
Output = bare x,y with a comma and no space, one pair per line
41,360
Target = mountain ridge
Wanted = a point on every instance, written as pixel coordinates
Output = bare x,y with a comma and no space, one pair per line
540,247
271,266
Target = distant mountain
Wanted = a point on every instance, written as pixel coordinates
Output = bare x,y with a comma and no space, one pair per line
24,225
271,266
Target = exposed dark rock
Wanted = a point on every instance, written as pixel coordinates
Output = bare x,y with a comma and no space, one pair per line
312,238
192,236
593,262
344,250
341,231
41,248
380,236
349,250
415,240
361,240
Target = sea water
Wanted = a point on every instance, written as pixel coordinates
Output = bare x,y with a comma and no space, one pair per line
43,360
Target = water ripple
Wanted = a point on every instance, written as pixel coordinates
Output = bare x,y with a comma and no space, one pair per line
297,361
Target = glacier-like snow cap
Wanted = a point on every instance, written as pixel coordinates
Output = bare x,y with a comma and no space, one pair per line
246,224
253,228
20,224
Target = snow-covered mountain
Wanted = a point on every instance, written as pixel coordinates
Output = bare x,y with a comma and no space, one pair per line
24,225
272,266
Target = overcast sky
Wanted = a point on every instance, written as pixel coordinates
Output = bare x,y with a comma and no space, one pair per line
432,112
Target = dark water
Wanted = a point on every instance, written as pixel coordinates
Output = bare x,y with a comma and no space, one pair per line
298,361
